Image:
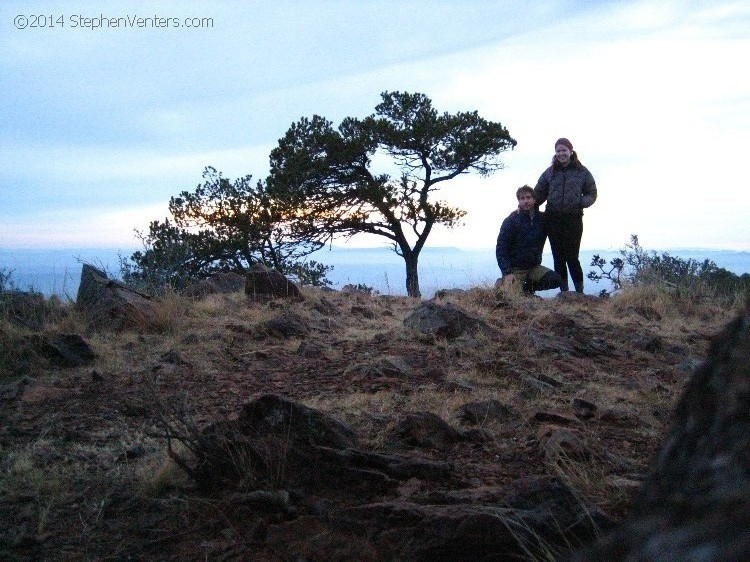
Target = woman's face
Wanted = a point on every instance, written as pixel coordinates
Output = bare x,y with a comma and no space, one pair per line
563,154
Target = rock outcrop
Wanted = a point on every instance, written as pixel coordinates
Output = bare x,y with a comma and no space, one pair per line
262,283
445,321
110,304
524,522
62,350
286,325
478,413
218,283
695,504
425,429
275,442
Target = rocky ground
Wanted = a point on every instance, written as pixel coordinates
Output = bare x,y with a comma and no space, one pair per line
345,426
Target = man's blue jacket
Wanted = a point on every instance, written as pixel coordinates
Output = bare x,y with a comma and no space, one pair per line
521,241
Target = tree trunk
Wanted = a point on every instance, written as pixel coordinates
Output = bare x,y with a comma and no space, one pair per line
412,274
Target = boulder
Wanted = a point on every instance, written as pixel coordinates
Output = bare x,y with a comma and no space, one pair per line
110,304
447,321
479,413
262,282
63,350
218,283
270,413
559,334
286,325
695,502
425,429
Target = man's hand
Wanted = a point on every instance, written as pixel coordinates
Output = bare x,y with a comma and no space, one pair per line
509,279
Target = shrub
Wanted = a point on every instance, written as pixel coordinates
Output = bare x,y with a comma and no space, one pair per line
684,277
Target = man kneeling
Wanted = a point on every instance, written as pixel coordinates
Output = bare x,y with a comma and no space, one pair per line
520,245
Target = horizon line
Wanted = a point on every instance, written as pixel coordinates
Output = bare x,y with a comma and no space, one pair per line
338,247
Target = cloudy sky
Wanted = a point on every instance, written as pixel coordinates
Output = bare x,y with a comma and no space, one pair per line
101,125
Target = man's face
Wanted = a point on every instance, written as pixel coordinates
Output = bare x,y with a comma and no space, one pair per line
526,201
563,154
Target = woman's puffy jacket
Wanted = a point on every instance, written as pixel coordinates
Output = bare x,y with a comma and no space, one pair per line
566,190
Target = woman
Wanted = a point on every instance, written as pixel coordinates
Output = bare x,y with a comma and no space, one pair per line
568,188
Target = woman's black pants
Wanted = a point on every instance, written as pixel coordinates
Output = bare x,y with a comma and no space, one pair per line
565,231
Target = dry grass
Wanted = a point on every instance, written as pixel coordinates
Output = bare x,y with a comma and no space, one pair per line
657,302
590,480
170,313
13,358
22,474
37,485
159,475
70,322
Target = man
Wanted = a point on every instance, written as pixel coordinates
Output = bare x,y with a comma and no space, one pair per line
520,244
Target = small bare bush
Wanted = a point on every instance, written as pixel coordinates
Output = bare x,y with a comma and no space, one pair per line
217,454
